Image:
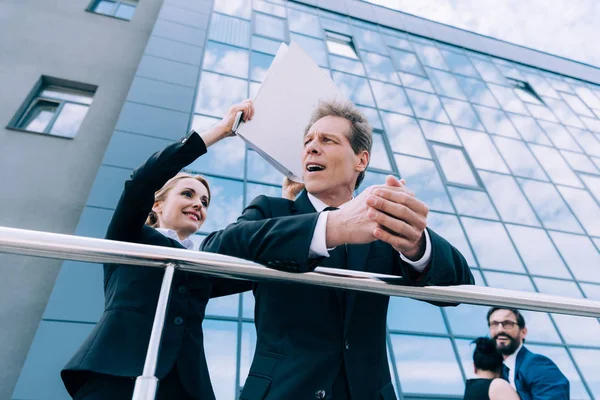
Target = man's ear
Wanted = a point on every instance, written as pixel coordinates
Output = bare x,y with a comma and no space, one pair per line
363,161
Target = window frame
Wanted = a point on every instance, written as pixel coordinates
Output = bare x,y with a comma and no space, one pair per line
94,4
343,39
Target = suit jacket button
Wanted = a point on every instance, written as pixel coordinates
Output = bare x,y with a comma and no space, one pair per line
320,394
178,321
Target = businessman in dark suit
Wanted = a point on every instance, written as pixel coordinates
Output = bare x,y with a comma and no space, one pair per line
534,376
315,342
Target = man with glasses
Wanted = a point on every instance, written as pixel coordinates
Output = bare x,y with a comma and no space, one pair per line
533,376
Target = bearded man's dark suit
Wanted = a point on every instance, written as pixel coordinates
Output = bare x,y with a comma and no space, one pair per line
316,342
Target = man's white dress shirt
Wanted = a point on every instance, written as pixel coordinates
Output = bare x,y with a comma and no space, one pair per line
171,234
511,363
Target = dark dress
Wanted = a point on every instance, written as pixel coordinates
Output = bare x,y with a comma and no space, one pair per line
478,389
115,350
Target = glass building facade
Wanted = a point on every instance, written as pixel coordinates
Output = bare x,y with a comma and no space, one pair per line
506,156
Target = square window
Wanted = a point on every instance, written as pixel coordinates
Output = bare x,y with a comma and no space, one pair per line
407,62
307,24
380,67
269,26
55,107
340,45
455,165
122,9
427,106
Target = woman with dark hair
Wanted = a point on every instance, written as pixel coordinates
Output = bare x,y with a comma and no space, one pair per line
161,207
488,367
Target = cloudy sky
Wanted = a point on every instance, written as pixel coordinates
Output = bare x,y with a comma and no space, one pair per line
568,28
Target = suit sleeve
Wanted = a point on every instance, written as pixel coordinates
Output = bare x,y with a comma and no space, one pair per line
547,381
447,266
278,242
138,195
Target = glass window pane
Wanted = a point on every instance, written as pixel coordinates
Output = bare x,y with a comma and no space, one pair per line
346,65
355,88
399,43
593,184
482,151
430,56
541,112
461,114
226,203
224,306
390,97
265,45
579,330
558,287
540,327
468,320
315,48
369,40
39,116
472,202
449,227
72,96
379,67
373,117
379,156
237,8
304,23
247,353
217,93
261,171
407,62
561,358
580,254
588,97
439,132
69,120
477,91
416,82
253,190
269,8
455,166
342,49
538,252
559,136
581,162
587,141
509,201
555,166
417,356
488,71
445,84
226,59
459,64
427,106
592,124
492,245
222,28
519,158
125,11
585,208
549,206
529,129
422,178
591,291
104,7
260,64
564,113
269,26
587,360
410,315
495,121
502,280
371,178
404,135
508,99
577,105
220,343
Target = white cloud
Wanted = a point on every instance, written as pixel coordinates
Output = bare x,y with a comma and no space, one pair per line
568,28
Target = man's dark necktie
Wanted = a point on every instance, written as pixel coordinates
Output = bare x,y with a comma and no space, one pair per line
505,371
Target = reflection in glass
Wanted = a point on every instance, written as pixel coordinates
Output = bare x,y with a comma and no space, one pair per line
416,359
538,252
224,158
221,27
397,42
580,254
519,158
593,101
268,8
591,291
564,113
410,315
430,56
541,112
578,330
492,245
226,305
371,178
220,344
472,203
587,141
427,106
439,132
477,91
404,135
247,352
558,287
379,157
592,124
482,151
549,206
445,84
315,48
503,280
416,82
269,26
461,114
454,165
495,121
593,184
423,179
450,229
373,117
306,23
540,328
509,201
577,105
354,87
587,360
346,65
488,71
508,99
468,320
560,136
369,40
260,64
342,49
390,97
580,162
529,129
237,8
261,171
585,208
459,64
226,203
217,93
379,67
39,116
69,120
226,59
253,190
265,45
555,166
407,62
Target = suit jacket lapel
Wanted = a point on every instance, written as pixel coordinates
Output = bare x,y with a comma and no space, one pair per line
356,259
302,205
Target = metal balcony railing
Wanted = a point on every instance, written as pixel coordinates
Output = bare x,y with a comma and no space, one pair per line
68,247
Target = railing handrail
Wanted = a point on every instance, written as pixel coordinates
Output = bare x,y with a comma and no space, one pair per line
77,248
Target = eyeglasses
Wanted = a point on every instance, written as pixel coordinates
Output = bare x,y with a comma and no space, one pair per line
506,324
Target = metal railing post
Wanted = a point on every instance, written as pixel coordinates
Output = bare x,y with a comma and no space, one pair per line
146,384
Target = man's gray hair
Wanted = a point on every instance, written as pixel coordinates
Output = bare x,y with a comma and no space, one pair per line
361,133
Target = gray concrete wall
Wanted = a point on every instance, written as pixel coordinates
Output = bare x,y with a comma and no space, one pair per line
44,180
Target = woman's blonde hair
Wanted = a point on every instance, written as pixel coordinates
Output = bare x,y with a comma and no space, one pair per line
161,194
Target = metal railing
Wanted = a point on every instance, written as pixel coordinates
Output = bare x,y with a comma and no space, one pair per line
68,247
